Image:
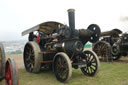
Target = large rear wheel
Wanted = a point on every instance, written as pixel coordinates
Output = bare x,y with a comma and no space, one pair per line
32,57
103,50
2,62
92,63
62,67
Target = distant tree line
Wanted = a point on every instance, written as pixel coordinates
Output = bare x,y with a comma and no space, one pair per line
15,52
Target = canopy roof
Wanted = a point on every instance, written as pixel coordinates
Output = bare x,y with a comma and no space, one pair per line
45,27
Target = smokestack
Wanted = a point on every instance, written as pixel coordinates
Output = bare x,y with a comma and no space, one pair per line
71,17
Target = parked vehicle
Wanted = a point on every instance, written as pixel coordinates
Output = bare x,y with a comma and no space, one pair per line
112,45
60,47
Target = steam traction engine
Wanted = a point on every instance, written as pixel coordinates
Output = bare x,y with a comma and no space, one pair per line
120,48
60,47
8,69
112,45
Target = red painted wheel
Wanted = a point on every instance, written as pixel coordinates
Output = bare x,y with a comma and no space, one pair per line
11,73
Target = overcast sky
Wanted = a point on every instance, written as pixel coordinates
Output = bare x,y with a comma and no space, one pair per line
19,15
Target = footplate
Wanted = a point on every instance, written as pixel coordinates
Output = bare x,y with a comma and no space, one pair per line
80,65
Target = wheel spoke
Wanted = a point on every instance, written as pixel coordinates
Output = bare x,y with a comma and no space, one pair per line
93,60
89,57
102,47
92,68
87,69
92,63
27,59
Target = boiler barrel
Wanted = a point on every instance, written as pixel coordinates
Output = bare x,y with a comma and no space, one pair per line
72,46
107,33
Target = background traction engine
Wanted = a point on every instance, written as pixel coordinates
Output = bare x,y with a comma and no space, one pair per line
60,47
111,45
8,69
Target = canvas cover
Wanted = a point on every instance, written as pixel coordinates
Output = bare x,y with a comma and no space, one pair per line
46,27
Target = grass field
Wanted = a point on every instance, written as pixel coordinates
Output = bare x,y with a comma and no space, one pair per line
114,73
109,74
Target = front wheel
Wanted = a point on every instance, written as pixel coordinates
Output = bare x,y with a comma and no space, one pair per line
92,63
62,67
115,52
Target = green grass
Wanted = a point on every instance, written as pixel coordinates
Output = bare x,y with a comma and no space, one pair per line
109,74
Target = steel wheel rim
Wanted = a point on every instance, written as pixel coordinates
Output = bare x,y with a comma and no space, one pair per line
0,63
11,73
8,74
91,64
29,58
115,53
